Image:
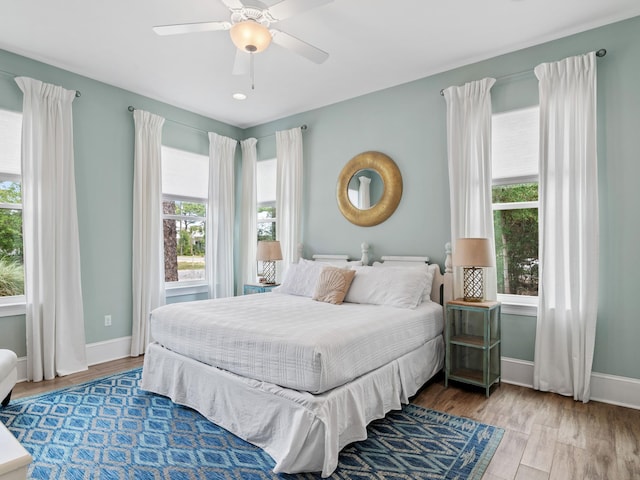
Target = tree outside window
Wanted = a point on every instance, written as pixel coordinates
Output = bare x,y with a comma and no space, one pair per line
266,223
11,255
184,240
515,223
11,245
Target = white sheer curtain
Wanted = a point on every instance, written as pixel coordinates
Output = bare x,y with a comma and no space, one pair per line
569,244
148,237
220,216
249,214
53,290
288,194
469,153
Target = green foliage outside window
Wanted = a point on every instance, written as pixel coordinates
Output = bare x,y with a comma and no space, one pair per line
266,230
11,252
184,240
516,238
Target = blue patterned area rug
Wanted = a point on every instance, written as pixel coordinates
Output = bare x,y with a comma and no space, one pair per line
109,429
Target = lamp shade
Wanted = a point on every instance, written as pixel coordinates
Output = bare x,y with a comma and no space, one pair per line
250,36
473,252
268,251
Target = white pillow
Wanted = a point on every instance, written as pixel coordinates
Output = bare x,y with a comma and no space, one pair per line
431,272
301,278
391,286
428,269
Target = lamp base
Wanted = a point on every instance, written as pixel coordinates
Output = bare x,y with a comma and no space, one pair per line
269,272
472,284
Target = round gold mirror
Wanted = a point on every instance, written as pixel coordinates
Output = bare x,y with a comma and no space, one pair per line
369,189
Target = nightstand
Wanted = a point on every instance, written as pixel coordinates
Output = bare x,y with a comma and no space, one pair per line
250,288
472,338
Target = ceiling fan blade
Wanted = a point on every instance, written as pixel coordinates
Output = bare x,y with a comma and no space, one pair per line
289,8
232,4
241,64
191,28
298,46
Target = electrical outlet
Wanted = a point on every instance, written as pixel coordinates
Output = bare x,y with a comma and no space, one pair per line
107,320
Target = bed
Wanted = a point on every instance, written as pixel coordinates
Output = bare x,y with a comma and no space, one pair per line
302,378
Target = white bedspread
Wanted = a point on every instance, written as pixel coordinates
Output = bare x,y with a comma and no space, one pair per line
293,341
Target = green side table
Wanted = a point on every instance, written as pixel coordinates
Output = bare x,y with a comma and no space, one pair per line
472,338
250,288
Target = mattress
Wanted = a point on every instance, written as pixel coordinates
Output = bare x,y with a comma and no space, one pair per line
293,341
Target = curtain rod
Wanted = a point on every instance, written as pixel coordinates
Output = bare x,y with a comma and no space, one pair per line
302,127
600,53
132,108
14,75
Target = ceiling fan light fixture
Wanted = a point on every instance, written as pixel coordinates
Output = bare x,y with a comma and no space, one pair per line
250,36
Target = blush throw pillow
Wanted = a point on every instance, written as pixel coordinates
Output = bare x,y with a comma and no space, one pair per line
333,284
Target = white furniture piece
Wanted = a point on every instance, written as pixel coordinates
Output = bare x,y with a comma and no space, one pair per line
303,430
8,374
14,459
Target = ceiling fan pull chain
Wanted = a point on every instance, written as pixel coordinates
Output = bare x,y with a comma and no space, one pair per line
253,87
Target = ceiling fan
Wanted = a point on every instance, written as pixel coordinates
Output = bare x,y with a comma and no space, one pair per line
250,32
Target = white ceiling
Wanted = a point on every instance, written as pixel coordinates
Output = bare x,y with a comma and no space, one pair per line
373,44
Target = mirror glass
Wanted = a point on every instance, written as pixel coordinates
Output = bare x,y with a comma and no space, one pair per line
365,189
369,188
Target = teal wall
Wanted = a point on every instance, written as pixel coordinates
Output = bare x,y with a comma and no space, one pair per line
104,146
407,123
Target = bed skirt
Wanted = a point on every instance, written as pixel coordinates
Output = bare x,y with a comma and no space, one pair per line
300,431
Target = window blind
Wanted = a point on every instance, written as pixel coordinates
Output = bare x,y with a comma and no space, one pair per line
266,182
10,142
514,146
184,174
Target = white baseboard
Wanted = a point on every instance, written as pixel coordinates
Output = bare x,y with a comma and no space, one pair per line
108,350
98,352
22,369
517,372
621,391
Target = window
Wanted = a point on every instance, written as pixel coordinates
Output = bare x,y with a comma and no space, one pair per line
266,195
184,204
515,203
11,246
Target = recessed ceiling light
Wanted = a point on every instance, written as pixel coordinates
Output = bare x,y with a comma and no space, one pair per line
239,96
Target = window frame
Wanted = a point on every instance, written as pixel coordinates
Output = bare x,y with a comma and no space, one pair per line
272,203
14,304
185,287
525,305
265,204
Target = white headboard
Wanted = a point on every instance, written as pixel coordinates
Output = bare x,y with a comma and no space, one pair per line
441,288
343,260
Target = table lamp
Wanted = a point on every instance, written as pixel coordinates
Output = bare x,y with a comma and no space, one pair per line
473,254
268,252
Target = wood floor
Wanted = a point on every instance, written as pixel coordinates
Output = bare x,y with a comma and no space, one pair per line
546,436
